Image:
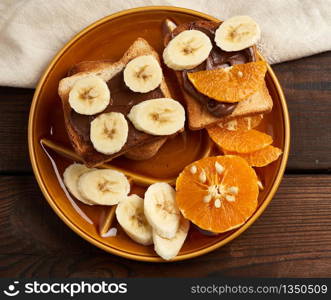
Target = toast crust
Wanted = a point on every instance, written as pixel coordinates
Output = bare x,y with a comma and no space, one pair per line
107,69
198,116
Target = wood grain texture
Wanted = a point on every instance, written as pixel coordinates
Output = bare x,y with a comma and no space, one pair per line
307,87
14,108
291,239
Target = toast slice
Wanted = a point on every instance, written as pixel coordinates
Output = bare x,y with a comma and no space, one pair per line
198,116
139,144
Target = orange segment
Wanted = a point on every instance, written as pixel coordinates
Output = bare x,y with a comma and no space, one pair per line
261,157
239,141
231,84
241,123
217,193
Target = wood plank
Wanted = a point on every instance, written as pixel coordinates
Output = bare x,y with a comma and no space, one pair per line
14,107
291,239
307,86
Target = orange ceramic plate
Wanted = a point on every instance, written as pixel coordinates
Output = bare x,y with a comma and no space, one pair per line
108,39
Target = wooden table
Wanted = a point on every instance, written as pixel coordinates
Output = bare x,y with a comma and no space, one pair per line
291,239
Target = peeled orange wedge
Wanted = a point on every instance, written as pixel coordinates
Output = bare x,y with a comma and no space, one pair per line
217,193
239,141
232,84
259,158
242,123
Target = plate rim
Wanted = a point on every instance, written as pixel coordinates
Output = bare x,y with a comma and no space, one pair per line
42,185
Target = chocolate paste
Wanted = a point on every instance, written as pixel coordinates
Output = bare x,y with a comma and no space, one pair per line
122,100
216,59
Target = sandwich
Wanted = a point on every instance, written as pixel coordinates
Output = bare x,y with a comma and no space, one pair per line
203,45
119,108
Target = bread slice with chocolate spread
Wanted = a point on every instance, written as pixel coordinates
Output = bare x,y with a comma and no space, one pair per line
139,145
205,112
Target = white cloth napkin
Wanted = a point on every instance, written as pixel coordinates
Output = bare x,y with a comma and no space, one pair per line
32,31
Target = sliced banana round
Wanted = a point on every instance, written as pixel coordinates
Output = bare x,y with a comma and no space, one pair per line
169,248
187,50
89,95
143,74
237,33
162,116
109,132
103,187
130,215
70,179
161,210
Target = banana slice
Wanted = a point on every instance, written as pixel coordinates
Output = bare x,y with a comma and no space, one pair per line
161,210
89,95
237,33
143,74
162,116
109,132
130,215
70,179
169,248
187,50
103,187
